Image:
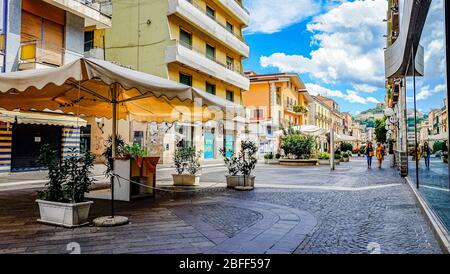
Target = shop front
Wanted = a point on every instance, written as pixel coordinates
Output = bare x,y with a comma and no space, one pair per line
22,135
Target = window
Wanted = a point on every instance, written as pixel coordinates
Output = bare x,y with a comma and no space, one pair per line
269,130
258,113
186,79
88,40
230,63
230,95
230,27
185,38
210,52
210,12
210,88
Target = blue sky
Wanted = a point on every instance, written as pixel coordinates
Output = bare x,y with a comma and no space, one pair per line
337,48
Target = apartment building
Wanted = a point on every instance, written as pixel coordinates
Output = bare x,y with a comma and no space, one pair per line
274,101
38,34
195,42
320,113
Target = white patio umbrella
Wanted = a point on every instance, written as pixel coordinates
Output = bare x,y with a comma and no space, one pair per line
99,88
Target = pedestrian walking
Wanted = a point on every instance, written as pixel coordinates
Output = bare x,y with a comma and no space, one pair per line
426,154
380,152
369,154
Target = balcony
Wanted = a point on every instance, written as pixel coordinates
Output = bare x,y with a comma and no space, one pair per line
237,9
188,56
196,16
90,11
34,56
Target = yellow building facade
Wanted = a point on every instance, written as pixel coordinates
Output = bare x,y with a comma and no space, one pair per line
194,42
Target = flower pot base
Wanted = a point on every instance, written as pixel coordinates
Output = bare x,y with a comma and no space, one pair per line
60,224
109,222
244,188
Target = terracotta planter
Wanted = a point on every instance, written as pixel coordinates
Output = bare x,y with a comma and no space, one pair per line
185,180
64,214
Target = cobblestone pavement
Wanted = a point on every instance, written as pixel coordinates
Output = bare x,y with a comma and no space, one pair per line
292,210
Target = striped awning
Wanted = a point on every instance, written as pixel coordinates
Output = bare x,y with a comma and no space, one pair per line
41,118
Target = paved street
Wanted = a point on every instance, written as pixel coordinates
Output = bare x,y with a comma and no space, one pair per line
292,210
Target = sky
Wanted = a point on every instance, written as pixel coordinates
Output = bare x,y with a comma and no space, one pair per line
337,48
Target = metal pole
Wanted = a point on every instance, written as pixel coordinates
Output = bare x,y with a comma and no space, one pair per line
5,33
333,167
413,59
447,56
113,142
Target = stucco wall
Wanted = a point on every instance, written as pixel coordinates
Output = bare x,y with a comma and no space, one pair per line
74,37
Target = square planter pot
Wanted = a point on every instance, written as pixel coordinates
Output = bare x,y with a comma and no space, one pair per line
185,180
346,159
324,162
241,181
64,214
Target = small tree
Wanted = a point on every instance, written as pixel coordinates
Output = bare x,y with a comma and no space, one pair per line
298,145
186,159
380,130
346,147
247,157
232,162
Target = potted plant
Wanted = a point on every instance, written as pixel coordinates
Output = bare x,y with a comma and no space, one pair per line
232,164
345,157
324,158
62,201
337,158
240,167
247,163
187,165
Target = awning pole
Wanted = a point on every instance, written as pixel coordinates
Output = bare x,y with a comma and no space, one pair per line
113,136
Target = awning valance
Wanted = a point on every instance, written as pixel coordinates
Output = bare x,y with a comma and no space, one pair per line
85,86
439,137
41,118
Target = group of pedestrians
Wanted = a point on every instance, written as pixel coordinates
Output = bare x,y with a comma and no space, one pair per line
379,152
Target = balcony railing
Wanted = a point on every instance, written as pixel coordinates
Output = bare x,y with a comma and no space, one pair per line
189,46
33,51
215,20
104,7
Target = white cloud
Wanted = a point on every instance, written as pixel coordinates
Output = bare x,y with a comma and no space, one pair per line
433,40
350,41
425,92
315,89
365,88
351,95
270,16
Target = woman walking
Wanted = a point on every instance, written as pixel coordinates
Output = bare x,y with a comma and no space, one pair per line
380,151
426,153
369,154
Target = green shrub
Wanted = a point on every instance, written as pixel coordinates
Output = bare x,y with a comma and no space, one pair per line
337,156
69,178
346,147
268,156
277,156
134,151
323,156
186,159
345,155
298,145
